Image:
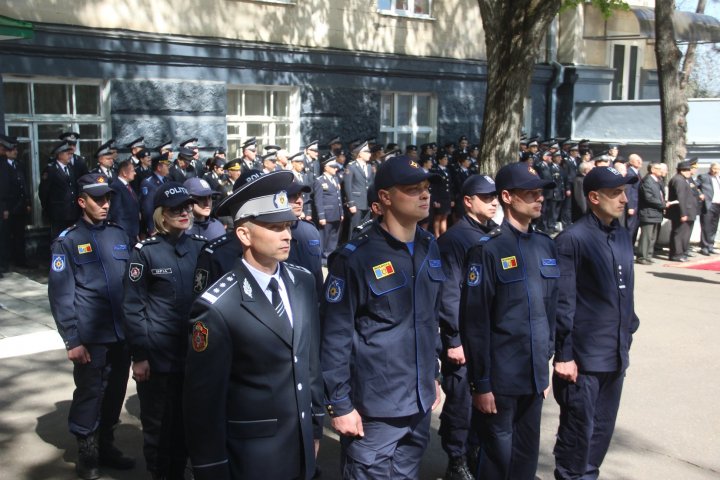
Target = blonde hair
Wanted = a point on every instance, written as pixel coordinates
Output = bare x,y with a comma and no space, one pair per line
159,221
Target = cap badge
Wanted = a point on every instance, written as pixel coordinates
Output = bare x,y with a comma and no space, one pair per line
615,172
101,180
489,180
280,199
383,270
413,164
532,170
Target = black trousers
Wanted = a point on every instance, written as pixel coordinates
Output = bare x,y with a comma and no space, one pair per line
588,410
566,212
632,223
680,237
330,234
356,218
455,416
100,387
161,417
510,438
709,225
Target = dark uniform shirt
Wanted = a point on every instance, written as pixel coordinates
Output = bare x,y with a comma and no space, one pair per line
147,197
596,312
158,295
380,337
454,245
507,316
211,228
85,284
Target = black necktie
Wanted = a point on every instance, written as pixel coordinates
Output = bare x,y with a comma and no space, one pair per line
277,300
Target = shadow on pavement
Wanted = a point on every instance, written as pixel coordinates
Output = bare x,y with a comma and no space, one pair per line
682,278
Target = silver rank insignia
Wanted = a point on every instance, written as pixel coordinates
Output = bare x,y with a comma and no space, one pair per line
247,288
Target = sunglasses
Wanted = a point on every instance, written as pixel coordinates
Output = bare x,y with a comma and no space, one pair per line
179,210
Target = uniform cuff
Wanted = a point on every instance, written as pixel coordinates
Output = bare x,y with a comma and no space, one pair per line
72,342
340,407
480,386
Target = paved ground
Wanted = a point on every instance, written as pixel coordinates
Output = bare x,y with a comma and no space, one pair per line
668,425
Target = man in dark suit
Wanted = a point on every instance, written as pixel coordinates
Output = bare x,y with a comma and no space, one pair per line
709,185
249,158
253,393
651,204
358,178
125,206
327,200
58,190
682,211
14,205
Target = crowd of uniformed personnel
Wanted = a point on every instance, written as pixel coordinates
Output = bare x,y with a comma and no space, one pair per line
239,347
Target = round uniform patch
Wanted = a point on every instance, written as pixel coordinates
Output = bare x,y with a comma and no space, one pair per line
335,289
199,337
135,271
474,276
58,263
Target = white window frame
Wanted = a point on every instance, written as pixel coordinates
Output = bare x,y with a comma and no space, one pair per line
392,132
407,11
242,121
626,74
32,121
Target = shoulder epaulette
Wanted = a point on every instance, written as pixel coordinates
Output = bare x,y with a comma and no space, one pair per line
67,230
199,238
215,243
213,293
147,241
297,267
491,234
352,244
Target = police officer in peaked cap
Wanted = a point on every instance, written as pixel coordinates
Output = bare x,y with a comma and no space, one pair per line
253,392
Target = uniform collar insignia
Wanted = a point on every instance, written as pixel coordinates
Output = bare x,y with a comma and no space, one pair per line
247,289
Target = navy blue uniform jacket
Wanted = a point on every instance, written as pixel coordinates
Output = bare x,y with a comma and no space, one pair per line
380,328
147,195
216,259
596,310
125,209
85,284
507,316
327,199
454,245
253,389
158,295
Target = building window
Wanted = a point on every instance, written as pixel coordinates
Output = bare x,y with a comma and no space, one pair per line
39,110
626,62
410,8
264,113
407,118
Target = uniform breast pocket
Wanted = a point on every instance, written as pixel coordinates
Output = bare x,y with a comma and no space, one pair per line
252,428
509,282
550,273
313,247
120,252
387,299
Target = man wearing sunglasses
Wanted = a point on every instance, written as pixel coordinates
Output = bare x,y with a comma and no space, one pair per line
85,288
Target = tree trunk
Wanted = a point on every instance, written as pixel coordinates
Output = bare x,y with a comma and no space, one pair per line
673,102
514,31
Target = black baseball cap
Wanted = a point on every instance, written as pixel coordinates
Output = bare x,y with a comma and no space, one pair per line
605,177
520,176
94,184
172,194
401,170
478,185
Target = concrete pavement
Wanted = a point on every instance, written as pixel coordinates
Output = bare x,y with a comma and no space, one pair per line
667,427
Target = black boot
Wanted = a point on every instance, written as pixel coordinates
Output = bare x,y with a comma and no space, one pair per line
87,465
457,469
110,455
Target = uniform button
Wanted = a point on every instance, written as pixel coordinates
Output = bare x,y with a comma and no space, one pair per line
295,358
302,414
299,386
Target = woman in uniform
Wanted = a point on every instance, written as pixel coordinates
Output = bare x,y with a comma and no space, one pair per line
158,294
203,224
442,197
